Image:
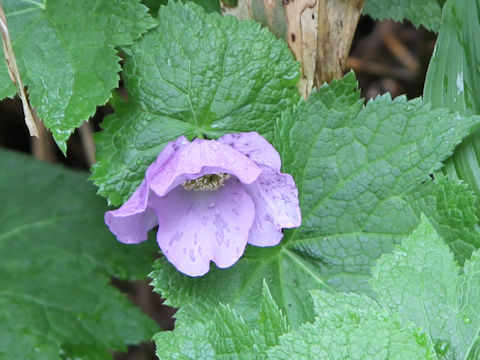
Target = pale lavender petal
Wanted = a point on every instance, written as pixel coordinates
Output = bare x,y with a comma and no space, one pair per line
196,227
276,206
167,152
131,222
255,147
200,157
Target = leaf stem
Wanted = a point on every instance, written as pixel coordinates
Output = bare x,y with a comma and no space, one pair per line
40,5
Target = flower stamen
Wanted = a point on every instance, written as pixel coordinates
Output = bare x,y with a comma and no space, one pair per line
210,182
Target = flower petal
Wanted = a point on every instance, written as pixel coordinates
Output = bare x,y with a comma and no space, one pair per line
131,222
276,206
191,160
255,147
198,226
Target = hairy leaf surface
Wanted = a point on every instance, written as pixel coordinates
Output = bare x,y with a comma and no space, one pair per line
363,179
226,335
196,74
349,326
421,281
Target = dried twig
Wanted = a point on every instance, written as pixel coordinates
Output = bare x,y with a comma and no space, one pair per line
397,48
359,65
42,146
15,74
86,137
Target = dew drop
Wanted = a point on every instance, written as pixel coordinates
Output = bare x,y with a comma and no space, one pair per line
211,205
441,346
467,320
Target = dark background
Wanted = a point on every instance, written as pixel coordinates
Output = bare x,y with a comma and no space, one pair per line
386,57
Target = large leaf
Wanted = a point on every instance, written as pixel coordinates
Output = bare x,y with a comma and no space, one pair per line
363,179
66,56
426,309
196,74
56,256
420,12
454,81
208,5
421,281
349,326
225,335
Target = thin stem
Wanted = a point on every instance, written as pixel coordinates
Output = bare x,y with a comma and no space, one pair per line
40,5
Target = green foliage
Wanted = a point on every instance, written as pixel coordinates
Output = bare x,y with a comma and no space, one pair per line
349,326
420,12
196,74
208,5
56,257
226,335
422,283
66,56
426,309
454,81
363,179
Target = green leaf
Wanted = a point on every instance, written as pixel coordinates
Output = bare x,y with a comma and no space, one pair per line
184,343
454,81
208,5
420,12
225,336
66,56
349,326
196,74
363,179
451,207
421,281
56,258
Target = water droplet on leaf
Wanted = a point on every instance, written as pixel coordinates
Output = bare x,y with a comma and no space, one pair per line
442,346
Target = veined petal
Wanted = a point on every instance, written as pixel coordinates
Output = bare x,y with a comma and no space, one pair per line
255,147
191,160
276,205
131,222
196,227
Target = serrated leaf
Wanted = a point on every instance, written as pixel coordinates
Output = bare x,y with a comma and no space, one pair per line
420,12
196,74
349,326
66,56
184,343
452,81
225,336
208,5
363,179
56,256
272,323
421,281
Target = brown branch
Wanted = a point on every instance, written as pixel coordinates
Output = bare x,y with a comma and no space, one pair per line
15,74
43,147
86,137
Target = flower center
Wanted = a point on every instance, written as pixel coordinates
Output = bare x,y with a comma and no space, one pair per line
208,182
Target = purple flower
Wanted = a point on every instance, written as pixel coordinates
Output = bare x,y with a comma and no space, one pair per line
209,199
